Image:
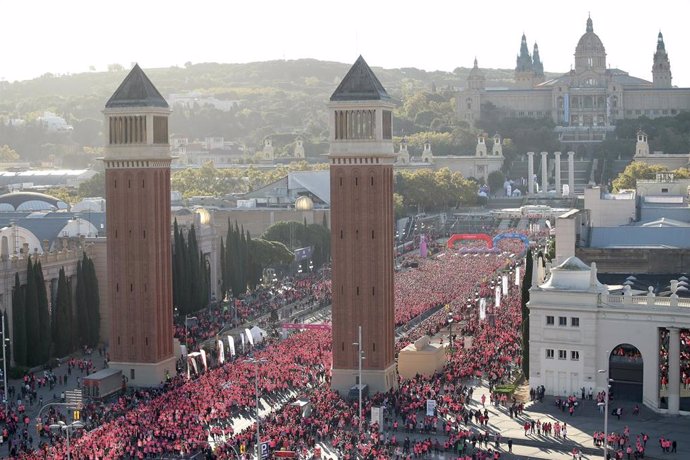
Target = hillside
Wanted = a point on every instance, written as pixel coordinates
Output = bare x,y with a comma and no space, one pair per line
274,98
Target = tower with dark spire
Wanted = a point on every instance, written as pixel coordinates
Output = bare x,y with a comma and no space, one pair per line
361,160
537,65
661,69
137,189
524,70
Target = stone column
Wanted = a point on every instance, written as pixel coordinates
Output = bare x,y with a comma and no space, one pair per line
530,173
673,370
557,180
571,173
544,172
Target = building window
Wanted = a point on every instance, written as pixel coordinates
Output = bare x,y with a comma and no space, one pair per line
562,321
575,322
131,374
549,321
549,353
562,354
160,130
387,125
575,355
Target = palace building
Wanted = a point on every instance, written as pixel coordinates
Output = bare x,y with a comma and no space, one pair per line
585,102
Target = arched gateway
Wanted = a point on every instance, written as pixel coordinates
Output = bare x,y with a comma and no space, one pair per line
626,369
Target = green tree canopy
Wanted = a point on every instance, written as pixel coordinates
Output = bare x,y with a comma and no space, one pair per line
638,170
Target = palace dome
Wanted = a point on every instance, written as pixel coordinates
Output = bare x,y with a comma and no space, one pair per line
590,52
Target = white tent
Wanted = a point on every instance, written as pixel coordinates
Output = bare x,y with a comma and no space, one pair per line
258,334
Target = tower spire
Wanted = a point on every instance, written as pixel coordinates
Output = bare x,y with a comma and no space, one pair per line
661,68
590,26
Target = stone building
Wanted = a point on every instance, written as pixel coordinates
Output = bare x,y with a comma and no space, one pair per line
581,334
585,102
361,169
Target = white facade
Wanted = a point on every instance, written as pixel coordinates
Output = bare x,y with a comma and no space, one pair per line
575,325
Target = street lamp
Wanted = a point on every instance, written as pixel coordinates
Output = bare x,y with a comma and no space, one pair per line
62,426
360,354
4,363
256,363
606,411
450,333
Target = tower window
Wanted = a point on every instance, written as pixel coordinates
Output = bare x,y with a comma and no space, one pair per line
117,287
342,346
373,290
372,180
357,290
142,184
356,181
131,287
341,181
160,130
341,234
372,234
118,340
374,346
129,184
387,124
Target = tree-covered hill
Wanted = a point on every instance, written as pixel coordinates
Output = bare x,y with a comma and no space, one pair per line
274,98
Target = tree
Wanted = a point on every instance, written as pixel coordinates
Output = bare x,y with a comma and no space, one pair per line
33,324
43,313
93,187
93,302
526,285
639,170
19,323
8,154
81,304
495,181
63,316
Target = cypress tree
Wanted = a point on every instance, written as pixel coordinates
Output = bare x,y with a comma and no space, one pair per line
176,281
526,285
93,302
63,320
223,271
19,322
33,324
244,257
81,304
193,269
43,313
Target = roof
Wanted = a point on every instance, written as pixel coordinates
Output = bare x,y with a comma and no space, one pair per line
574,264
360,84
31,201
628,236
317,182
136,90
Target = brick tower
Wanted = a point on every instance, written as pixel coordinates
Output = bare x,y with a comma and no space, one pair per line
137,177
362,224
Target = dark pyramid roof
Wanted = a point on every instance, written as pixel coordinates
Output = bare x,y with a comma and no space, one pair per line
136,90
360,84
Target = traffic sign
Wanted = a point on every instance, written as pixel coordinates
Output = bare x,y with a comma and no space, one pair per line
264,450
73,399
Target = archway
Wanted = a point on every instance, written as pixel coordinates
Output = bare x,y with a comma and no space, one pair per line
626,369
519,236
470,236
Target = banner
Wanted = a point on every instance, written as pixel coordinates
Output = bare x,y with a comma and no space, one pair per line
377,416
497,301
243,339
203,359
482,308
423,249
468,341
303,253
250,339
231,345
430,407
504,284
517,276
221,352
183,350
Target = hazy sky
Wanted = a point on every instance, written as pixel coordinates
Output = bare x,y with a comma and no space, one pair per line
41,36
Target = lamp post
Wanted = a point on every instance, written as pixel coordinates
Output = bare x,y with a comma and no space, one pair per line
360,355
62,426
450,333
4,363
256,363
606,411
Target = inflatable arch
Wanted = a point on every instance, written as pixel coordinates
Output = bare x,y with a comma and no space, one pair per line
519,236
470,236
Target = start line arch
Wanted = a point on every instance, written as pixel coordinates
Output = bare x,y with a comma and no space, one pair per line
513,235
470,236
